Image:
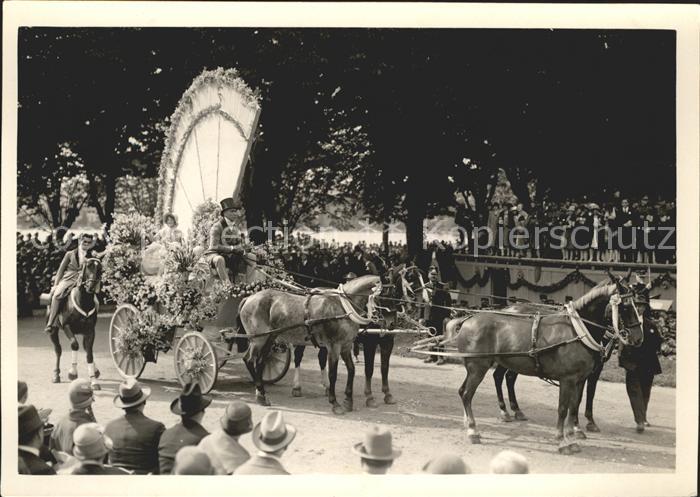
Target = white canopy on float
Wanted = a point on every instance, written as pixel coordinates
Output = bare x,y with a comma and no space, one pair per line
207,147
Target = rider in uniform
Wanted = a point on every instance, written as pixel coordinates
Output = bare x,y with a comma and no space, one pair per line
224,240
67,276
435,312
642,363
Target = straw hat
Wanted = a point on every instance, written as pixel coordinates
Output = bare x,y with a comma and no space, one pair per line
131,394
272,433
377,445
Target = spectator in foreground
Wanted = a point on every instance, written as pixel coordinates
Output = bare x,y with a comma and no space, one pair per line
222,447
446,464
135,436
271,436
192,461
190,406
509,462
90,446
81,397
376,452
31,439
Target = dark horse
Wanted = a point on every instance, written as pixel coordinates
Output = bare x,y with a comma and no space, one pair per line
333,318
78,316
546,345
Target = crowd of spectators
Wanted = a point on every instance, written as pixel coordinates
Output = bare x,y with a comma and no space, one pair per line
134,444
616,229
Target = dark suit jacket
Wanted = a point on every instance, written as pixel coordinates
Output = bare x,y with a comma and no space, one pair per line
29,464
222,239
135,438
96,469
261,465
438,297
643,358
186,432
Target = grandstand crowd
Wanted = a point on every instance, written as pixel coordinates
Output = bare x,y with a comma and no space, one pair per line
134,444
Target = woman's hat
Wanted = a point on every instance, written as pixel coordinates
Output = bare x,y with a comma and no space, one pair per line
377,445
272,433
90,442
191,460
191,401
80,394
230,203
237,418
131,394
446,464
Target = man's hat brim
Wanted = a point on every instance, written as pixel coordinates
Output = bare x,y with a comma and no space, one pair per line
361,451
145,393
265,447
176,408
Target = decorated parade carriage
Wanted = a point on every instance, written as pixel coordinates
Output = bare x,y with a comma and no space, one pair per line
168,296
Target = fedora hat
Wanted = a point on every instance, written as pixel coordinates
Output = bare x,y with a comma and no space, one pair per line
28,420
191,401
90,442
272,433
446,464
131,394
377,445
237,418
230,203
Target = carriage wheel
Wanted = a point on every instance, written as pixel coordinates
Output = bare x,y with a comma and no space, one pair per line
128,365
196,361
277,362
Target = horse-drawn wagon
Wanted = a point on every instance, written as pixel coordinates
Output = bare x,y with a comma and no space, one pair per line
205,158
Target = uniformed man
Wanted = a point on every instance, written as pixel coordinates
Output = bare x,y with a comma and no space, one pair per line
436,311
224,240
642,363
67,276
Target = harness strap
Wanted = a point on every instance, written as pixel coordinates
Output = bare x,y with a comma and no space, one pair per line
308,323
534,353
79,309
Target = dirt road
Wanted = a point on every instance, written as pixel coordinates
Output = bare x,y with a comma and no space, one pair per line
426,421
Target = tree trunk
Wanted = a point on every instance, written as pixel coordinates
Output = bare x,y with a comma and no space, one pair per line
110,197
414,221
385,237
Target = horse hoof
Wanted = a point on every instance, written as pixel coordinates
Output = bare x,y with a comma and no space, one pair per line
565,450
262,400
559,437
338,410
646,423
370,402
56,379
520,416
96,386
97,373
72,376
579,435
296,392
389,399
506,417
474,438
347,405
640,428
592,427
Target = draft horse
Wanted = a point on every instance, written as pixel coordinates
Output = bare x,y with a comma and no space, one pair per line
78,316
545,345
402,278
330,318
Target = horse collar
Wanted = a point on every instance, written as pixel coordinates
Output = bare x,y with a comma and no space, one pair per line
80,310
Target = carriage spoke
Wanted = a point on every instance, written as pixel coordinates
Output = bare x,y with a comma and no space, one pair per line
122,359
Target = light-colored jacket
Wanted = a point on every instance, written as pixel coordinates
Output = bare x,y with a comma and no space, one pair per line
224,451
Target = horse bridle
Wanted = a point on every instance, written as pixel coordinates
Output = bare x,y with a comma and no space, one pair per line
89,282
622,333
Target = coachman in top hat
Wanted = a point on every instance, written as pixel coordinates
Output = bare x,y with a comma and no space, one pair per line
224,240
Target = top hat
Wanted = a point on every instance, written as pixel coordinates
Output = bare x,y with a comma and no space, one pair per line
272,433
191,460
90,442
80,394
237,418
190,402
131,394
230,203
377,445
28,420
446,464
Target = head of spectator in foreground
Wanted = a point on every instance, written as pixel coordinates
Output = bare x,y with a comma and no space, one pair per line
272,435
30,427
237,419
376,452
22,392
509,462
81,395
132,396
190,405
191,460
90,443
446,464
